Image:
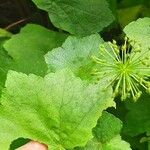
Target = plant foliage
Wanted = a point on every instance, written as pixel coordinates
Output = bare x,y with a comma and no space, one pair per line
78,85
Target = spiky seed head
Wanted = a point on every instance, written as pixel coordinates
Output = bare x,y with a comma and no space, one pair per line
127,67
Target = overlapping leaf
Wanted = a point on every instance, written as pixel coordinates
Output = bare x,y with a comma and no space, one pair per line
106,135
75,54
29,46
139,31
108,126
81,17
59,110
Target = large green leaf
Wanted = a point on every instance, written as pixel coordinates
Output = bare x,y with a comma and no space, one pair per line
59,110
29,46
81,17
75,54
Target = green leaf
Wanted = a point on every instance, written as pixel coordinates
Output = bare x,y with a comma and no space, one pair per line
139,31
138,116
117,144
29,46
108,126
113,7
93,144
5,59
5,62
59,110
114,144
81,17
106,135
75,54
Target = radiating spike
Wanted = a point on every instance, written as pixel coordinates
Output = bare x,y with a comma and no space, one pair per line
123,69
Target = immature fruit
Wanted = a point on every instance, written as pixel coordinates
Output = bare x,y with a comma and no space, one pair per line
127,68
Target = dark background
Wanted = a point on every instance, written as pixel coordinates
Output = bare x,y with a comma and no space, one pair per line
16,13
